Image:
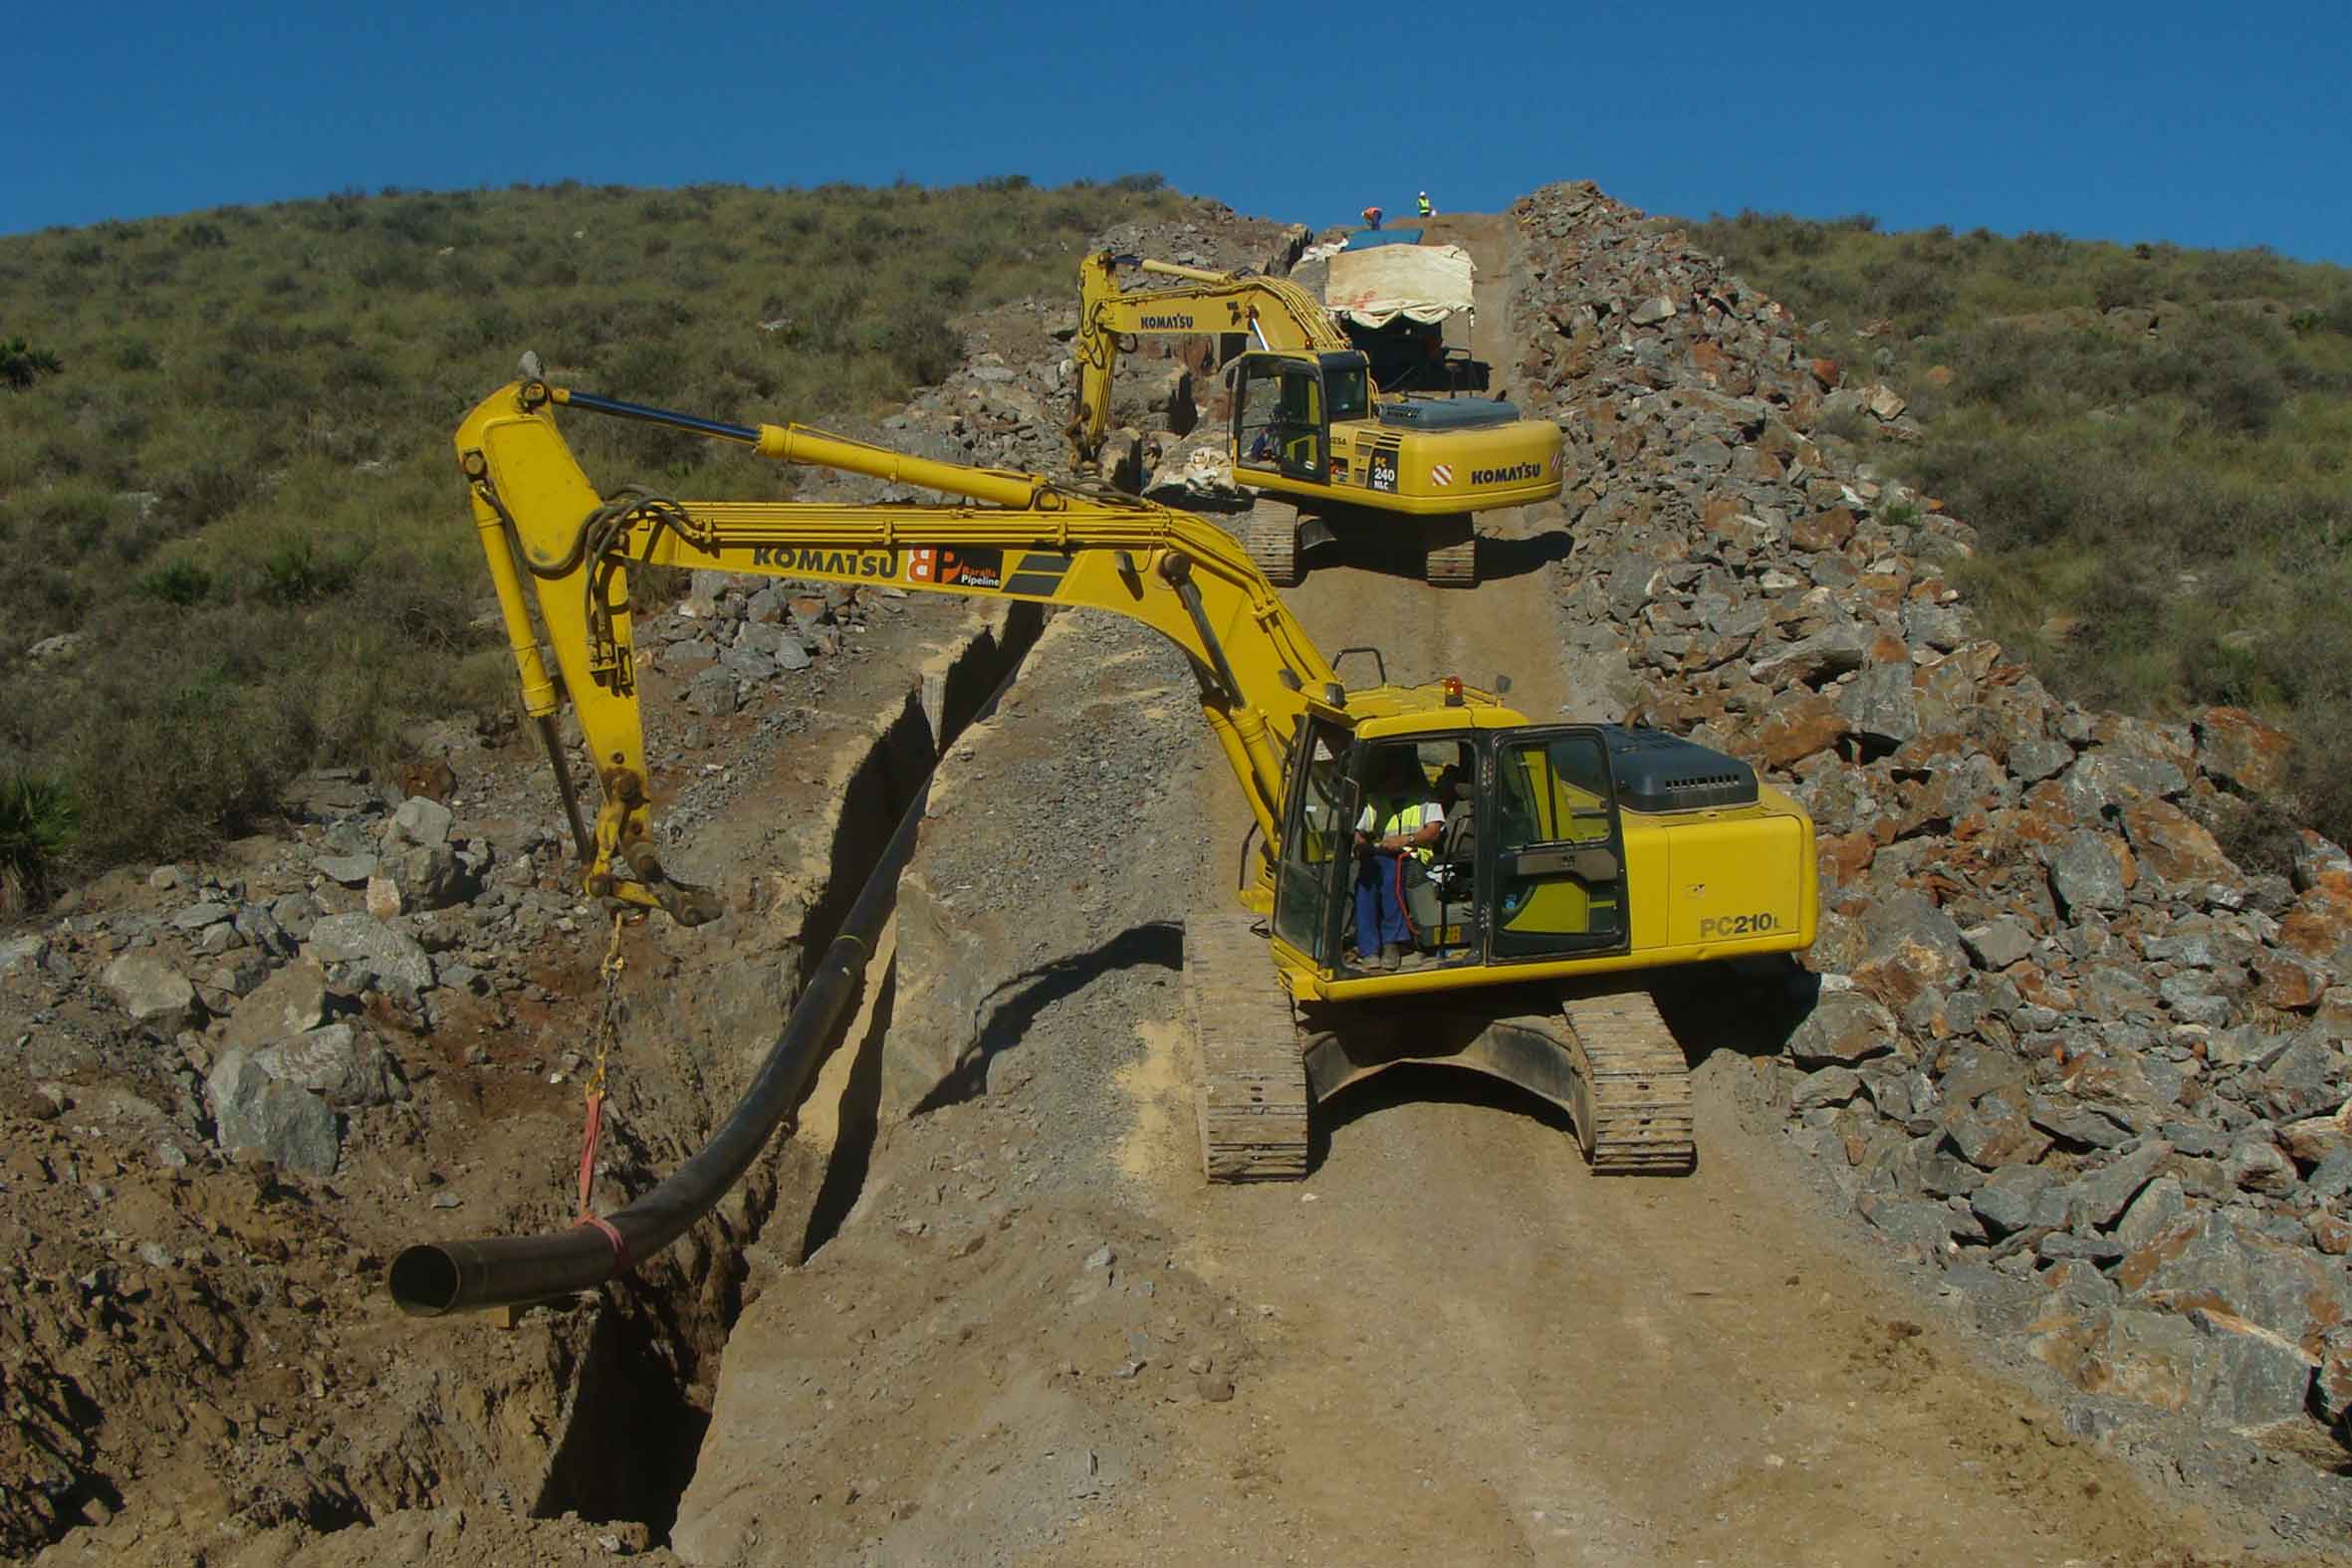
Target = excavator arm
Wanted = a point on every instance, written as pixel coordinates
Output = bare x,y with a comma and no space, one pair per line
556,545
1274,313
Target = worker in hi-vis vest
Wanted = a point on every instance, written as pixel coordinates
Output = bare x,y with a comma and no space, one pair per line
1425,208
1399,823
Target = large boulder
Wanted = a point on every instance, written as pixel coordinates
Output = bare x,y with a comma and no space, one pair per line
2208,1261
1910,947
1880,705
421,821
2209,1362
2109,778
25,953
2174,845
292,1001
392,956
1814,660
340,1063
2242,750
1844,1028
288,1124
2086,873
151,992
1996,944
428,877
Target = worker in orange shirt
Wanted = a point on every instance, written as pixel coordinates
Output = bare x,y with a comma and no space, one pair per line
1372,217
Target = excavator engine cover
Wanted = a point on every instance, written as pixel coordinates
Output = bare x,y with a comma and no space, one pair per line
1449,413
1657,772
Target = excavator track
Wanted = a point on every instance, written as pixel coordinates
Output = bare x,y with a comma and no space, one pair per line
1452,562
1632,1091
1271,534
1251,1093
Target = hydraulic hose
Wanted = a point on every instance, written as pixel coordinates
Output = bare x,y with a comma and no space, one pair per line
437,1278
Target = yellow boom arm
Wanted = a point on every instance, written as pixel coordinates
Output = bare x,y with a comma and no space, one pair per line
1275,313
542,524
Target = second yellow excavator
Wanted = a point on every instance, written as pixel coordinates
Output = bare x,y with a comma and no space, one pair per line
1576,865
1308,426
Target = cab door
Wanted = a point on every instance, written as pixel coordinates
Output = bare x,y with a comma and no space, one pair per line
1281,417
1556,872
1318,823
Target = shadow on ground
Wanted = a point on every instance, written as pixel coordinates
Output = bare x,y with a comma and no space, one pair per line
1008,1010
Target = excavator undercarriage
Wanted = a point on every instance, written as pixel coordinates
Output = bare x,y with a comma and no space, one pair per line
1603,1056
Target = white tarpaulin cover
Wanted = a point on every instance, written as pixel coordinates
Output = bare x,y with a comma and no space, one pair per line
1423,283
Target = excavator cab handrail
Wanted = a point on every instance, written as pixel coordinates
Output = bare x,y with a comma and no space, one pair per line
1379,664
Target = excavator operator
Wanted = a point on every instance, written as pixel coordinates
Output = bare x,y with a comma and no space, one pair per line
1400,823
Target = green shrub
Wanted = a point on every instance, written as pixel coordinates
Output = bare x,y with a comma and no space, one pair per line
180,582
37,818
20,365
295,572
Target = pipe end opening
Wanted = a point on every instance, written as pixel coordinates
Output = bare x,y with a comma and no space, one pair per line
423,1281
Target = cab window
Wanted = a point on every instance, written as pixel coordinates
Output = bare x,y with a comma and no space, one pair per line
1258,401
1350,391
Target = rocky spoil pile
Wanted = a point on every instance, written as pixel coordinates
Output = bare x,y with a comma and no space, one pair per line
229,1091
2063,1046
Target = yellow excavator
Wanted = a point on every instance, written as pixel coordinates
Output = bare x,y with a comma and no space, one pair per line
1576,864
1308,427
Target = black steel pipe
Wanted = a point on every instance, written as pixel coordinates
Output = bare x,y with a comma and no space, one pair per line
437,1278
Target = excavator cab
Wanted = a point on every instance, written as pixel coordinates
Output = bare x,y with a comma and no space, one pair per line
1531,864
1283,406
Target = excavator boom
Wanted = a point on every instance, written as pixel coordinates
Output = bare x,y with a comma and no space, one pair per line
1274,313
542,521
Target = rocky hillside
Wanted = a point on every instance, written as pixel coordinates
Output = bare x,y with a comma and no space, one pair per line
2062,1048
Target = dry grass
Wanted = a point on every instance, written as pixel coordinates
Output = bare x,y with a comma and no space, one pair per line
237,485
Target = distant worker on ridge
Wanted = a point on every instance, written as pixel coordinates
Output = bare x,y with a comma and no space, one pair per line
1425,209
1372,217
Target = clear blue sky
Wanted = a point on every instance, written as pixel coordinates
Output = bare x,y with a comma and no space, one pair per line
2206,125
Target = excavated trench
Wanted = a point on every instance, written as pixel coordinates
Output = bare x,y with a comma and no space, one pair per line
639,1390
